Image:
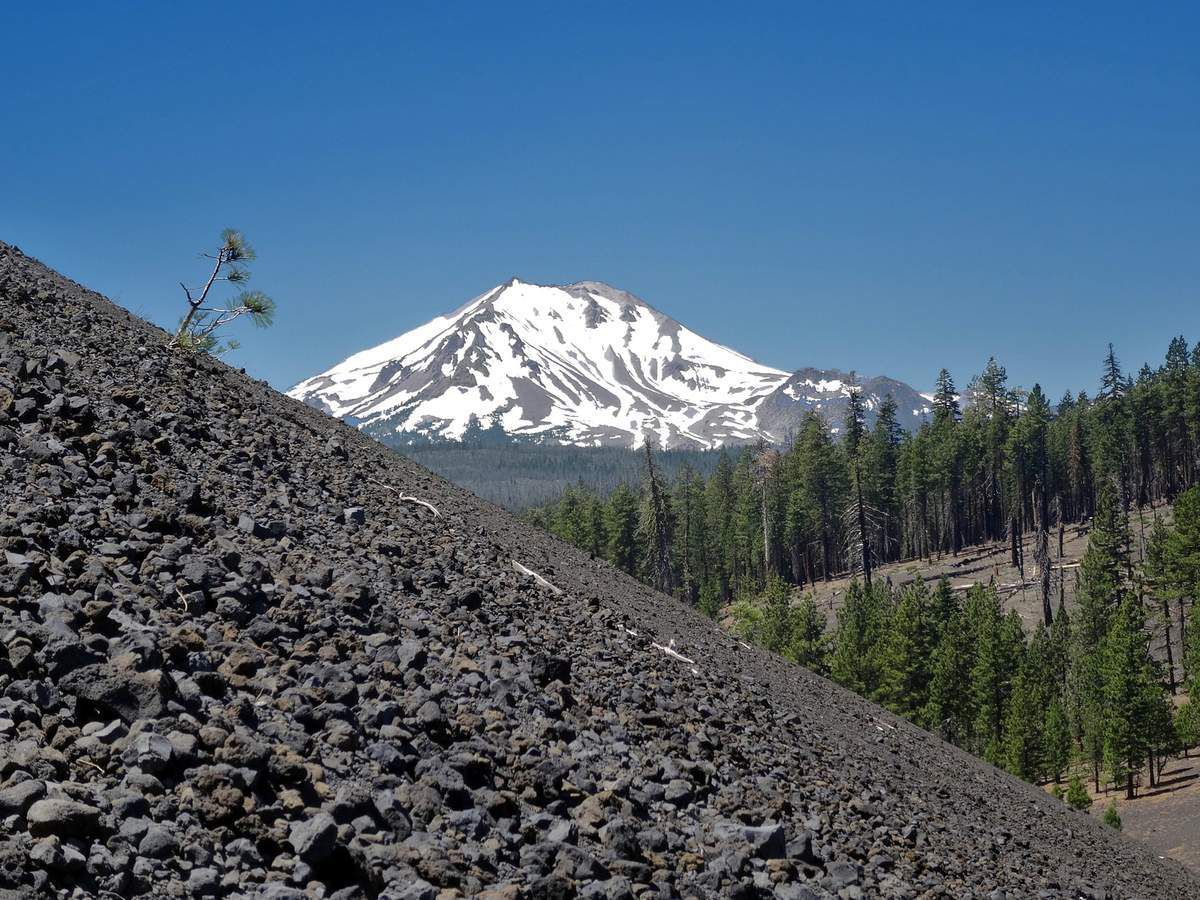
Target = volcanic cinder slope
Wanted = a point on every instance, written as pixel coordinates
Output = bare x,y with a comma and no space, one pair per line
236,661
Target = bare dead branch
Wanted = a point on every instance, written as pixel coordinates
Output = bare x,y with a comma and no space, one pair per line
525,570
405,498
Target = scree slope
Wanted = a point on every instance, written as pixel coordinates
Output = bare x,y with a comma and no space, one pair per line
236,661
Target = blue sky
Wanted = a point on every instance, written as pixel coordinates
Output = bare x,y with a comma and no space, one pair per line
891,187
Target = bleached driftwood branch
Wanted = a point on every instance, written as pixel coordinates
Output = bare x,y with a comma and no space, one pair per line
405,498
672,652
525,570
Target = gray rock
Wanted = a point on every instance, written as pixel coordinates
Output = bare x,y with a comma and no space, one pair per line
65,818
128,695
763,841
149,752
314,839
19,797
157,843
204,881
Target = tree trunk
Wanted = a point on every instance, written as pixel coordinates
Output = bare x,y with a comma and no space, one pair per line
766,534
1166,609
864,543
1183,661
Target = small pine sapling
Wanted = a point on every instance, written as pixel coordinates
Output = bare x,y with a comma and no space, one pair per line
198,329
1077,795
1111,817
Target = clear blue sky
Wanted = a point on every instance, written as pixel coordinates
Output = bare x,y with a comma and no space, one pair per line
889,187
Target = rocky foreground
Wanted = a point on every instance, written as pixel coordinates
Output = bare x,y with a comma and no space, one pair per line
237,661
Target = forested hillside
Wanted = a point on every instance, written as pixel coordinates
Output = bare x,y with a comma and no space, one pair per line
1081,692
520,473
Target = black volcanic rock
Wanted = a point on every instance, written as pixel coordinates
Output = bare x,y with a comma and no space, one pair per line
235,662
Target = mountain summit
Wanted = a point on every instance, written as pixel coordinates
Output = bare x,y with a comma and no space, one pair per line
582,363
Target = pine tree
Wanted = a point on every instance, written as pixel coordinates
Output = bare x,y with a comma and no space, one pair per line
945,400
1104,569
821,479
1111,817
1187,725
1077,795
809,645
691,559
1085,693
950,710
621,527
1112,385
854,661
905,654
200,328
1030,464
993,401
1057,732
719,525
1026,742
860,534
1158,579
655,525
1129,690
881,468
943,606
1113,429
999,644
1024,729
1176,571
774,629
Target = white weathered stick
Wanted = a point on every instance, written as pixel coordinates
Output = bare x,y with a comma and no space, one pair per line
672,652
525,570
405,498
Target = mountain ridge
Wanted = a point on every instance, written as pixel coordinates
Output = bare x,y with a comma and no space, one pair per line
584,363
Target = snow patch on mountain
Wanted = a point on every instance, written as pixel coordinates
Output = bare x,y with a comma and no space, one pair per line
584,363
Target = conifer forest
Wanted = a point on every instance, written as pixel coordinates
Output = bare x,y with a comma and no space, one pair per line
1103,689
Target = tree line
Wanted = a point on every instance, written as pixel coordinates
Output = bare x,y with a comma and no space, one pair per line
840,498
1084,692
992,464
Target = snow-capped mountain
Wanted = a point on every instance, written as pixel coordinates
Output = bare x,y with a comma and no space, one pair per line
583,363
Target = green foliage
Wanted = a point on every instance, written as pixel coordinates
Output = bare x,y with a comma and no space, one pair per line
809,643
1082,690
621,521
999,643
1024,727
856,658
1131,693
1111,817
1187,724
1077,795
1057,732
710,601
950,709
905,655
793,630
200,327
1103,570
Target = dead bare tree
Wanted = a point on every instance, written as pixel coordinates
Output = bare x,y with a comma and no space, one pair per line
1041,552
656,523
766,461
